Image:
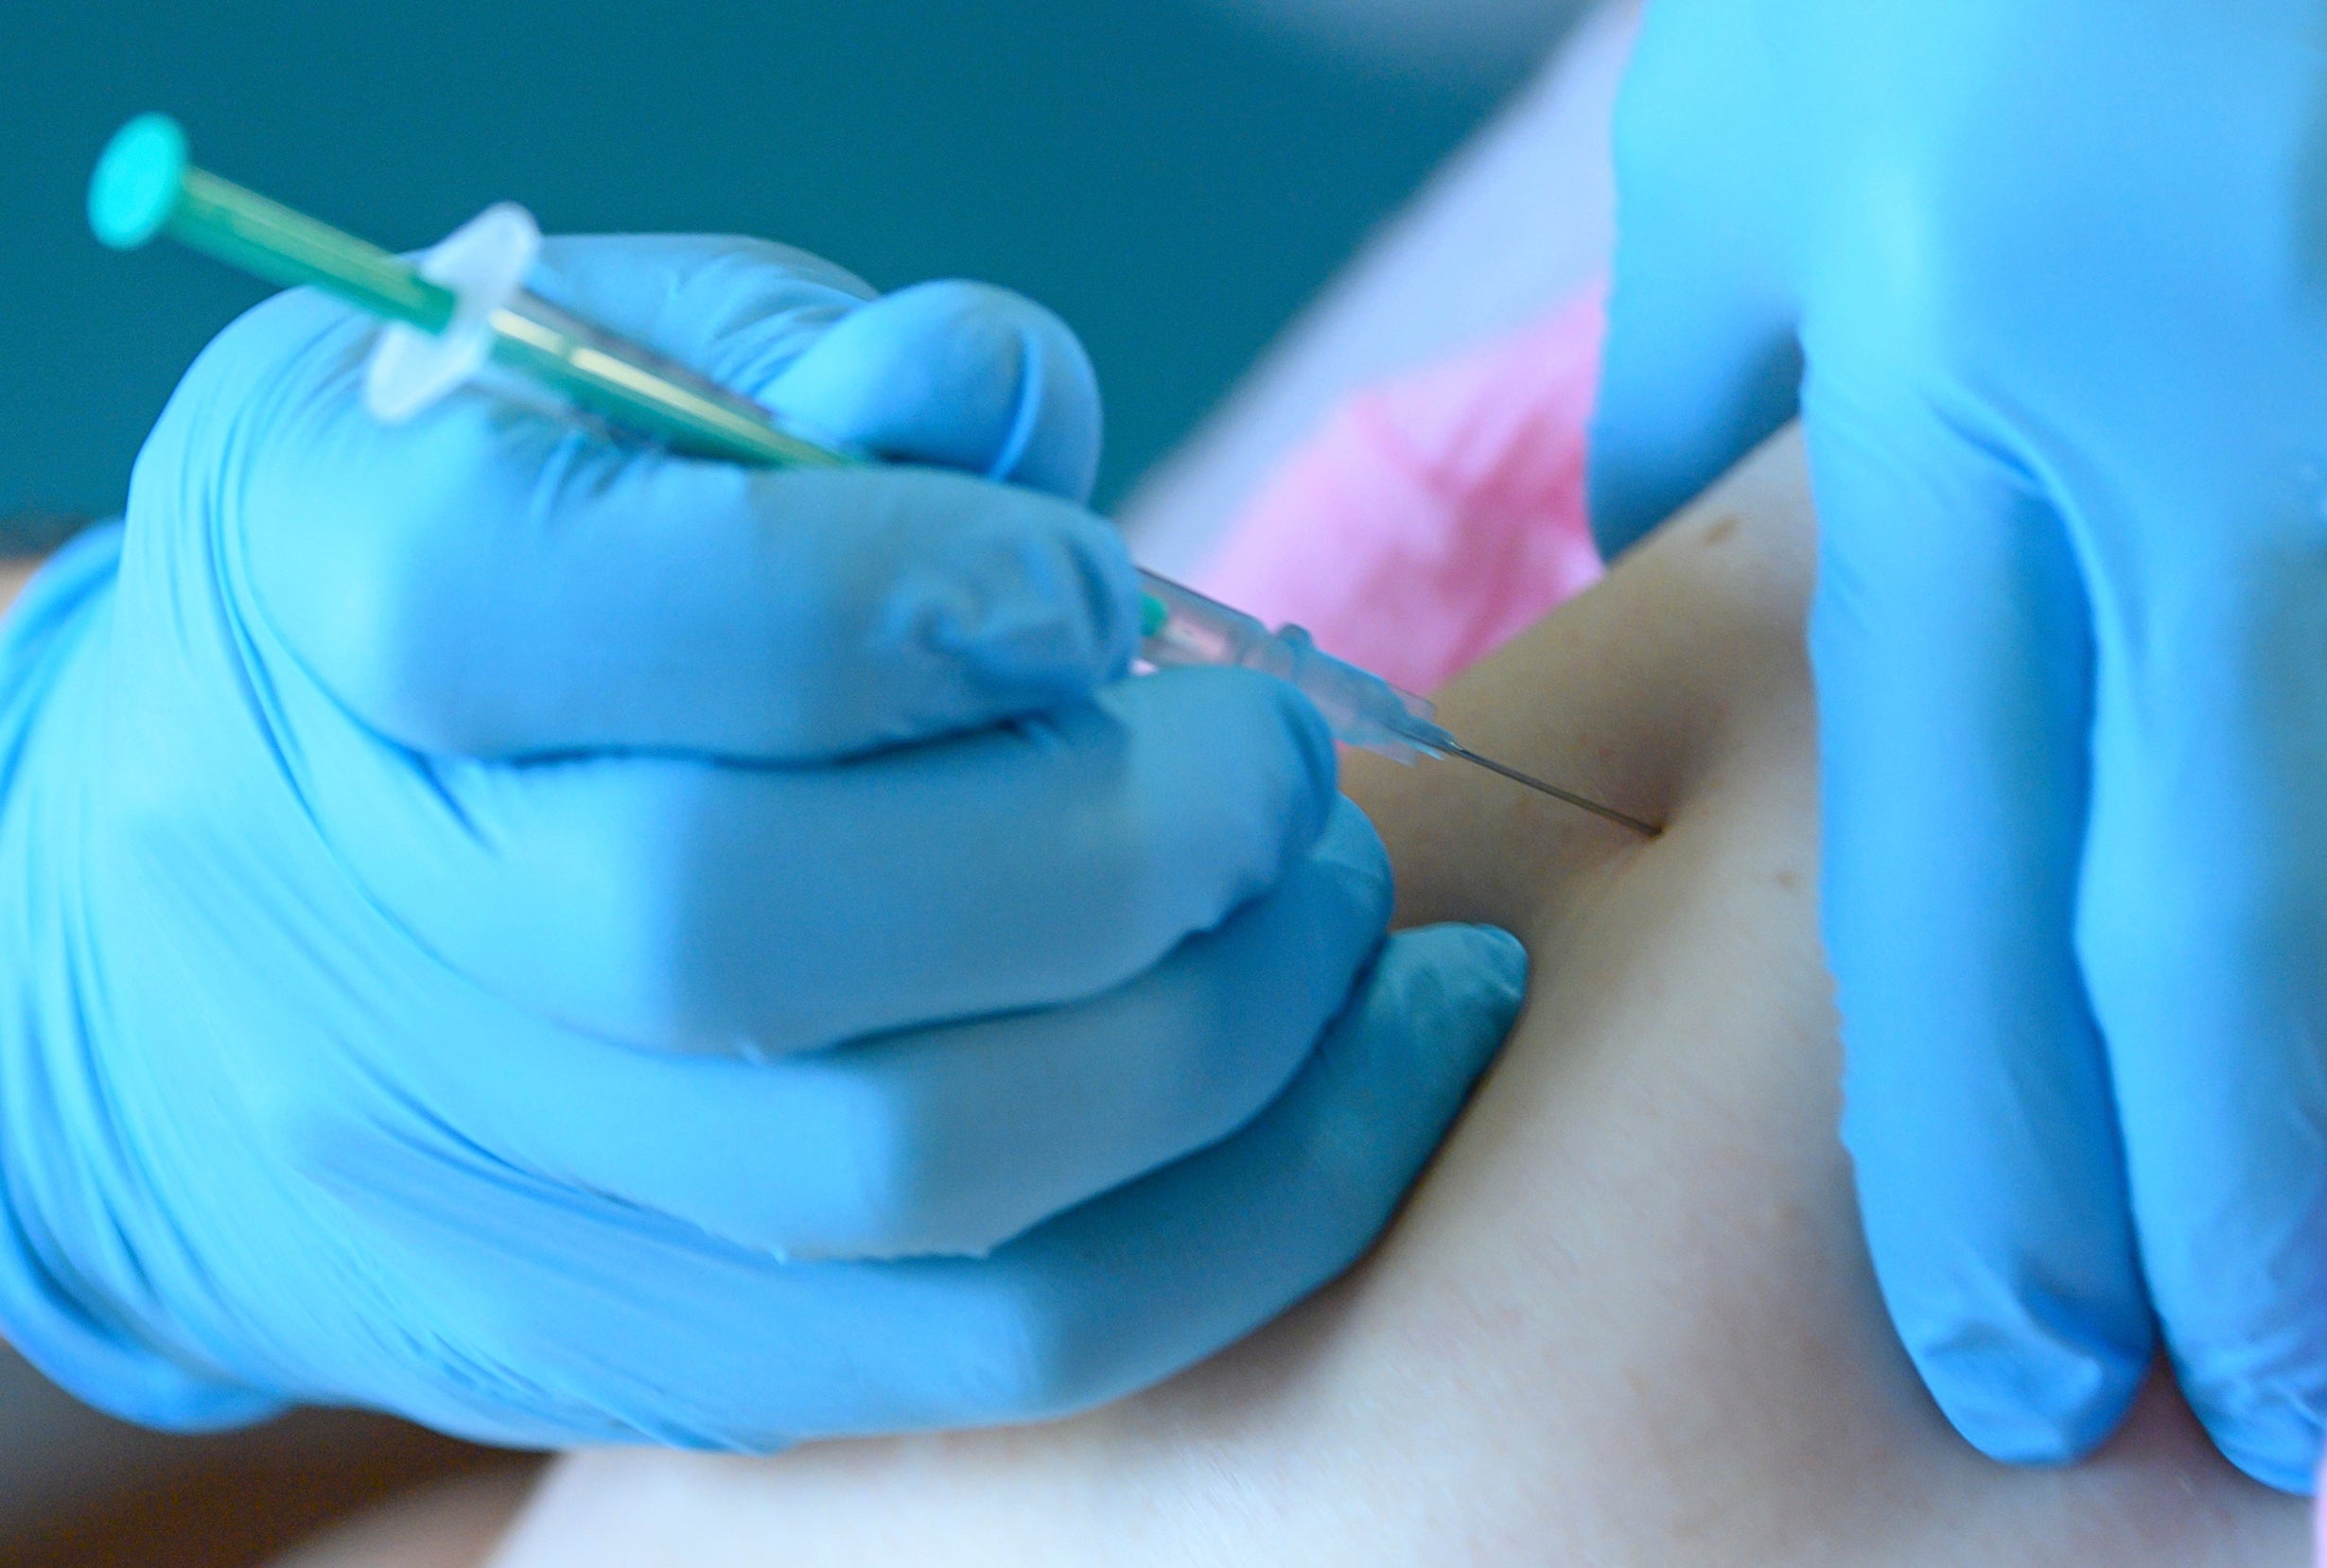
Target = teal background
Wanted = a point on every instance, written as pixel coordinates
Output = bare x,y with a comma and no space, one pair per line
1172,183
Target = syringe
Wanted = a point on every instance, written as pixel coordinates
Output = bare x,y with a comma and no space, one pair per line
464,307
1361,709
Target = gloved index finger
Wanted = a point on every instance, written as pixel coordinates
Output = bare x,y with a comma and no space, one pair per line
1952,665
956,373
2201,923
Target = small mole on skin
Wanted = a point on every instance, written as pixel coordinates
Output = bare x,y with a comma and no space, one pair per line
1719,532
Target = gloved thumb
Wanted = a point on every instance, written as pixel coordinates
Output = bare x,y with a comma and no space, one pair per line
951,374
956,375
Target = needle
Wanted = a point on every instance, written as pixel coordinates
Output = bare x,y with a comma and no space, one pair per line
1644,828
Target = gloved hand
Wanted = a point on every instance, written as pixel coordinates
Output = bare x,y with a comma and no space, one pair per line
574,945
2055,270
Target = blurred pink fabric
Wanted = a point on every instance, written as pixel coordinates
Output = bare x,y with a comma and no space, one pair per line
1433,516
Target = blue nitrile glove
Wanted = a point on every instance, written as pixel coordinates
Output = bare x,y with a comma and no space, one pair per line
2057,270
505,927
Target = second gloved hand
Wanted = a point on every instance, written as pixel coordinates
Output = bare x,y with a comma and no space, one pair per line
2047,273
575,945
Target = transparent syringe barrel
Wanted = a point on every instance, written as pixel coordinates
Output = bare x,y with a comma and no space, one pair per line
640,391
1361,708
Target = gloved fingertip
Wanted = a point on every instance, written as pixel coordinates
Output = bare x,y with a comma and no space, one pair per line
954,375
1322,824
1486,977
1348,854
1054,438
2028,1396
1462,985
2283,1467
1277,738
2269,1435
1350,842
1503,964
1320,757
1029,602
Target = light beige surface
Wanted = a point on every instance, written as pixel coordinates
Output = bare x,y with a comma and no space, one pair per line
1626,1319
452,1523
14,573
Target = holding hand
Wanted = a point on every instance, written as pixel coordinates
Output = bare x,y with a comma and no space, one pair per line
575,945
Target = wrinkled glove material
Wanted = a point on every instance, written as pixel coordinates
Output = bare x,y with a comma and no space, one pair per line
574,945
2044,280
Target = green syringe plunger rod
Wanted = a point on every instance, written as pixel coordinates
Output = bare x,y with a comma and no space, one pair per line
145,187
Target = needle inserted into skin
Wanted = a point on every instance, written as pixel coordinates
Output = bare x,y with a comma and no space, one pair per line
1580,802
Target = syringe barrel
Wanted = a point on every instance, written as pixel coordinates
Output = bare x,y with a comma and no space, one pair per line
1360,707
644,393
1185,628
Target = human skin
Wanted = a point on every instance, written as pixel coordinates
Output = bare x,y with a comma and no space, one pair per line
15,571
1627,1317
